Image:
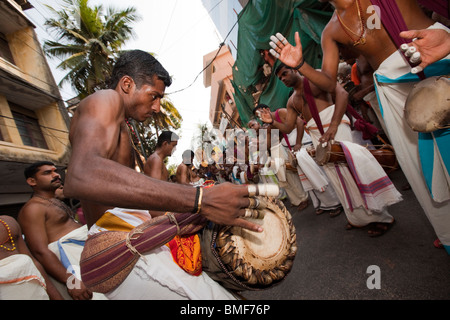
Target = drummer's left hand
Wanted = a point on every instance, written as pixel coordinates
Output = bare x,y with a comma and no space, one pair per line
433,44
329,134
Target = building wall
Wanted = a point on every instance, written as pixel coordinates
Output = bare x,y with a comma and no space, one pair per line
27,87
219,75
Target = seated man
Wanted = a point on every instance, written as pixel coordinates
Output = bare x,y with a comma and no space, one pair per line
22,277
51,232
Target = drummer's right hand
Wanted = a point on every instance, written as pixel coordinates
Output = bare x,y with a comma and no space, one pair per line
225,204
329,135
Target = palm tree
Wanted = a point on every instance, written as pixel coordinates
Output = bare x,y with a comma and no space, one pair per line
89,42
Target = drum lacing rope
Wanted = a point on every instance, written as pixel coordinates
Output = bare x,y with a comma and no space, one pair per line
174,221
130,236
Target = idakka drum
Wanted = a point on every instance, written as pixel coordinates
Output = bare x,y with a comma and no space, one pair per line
241,259
427,107
331,152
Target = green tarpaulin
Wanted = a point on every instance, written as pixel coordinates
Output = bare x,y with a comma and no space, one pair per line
257,22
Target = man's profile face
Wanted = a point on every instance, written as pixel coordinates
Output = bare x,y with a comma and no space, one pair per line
171,147
147,99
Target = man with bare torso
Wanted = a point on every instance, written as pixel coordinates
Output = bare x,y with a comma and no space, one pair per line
337,126
297,106
101,173
154,166
349,27
45,219
185,173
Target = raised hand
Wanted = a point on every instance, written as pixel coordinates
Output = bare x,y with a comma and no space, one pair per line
285,52
265,116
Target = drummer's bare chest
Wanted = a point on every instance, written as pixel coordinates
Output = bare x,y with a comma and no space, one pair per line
300,106
124,152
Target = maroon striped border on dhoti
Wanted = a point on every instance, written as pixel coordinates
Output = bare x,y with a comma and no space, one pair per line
107,259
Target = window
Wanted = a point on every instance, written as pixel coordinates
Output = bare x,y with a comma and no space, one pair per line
5,52
29,130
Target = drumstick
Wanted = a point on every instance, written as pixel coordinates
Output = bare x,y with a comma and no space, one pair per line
267,190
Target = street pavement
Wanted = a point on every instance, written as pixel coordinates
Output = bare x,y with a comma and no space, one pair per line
332,262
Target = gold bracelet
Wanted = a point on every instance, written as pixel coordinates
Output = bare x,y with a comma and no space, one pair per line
199,203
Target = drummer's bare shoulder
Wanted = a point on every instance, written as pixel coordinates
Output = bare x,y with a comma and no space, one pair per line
105,102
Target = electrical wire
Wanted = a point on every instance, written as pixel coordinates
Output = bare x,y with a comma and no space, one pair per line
210,63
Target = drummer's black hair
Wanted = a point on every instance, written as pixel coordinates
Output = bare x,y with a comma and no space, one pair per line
141,66
168,136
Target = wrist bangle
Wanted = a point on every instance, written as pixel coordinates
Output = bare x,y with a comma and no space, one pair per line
198,200
301,64
199,203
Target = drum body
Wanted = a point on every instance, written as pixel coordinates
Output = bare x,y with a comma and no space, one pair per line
329,152
332,153
240,259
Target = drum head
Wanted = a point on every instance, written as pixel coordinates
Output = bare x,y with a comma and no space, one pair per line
263,250
254,260
323,153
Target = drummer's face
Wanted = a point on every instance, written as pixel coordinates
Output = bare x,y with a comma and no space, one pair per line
286,76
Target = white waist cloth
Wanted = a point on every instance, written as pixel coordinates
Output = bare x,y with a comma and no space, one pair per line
68,250
20,279
287,179
392,87
353,202
158,277
315,181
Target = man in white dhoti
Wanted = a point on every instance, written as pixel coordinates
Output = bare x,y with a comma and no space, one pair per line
423,157
351,193
379,48
52,234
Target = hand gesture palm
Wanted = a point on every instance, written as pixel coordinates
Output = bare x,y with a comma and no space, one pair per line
265,116
285,52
